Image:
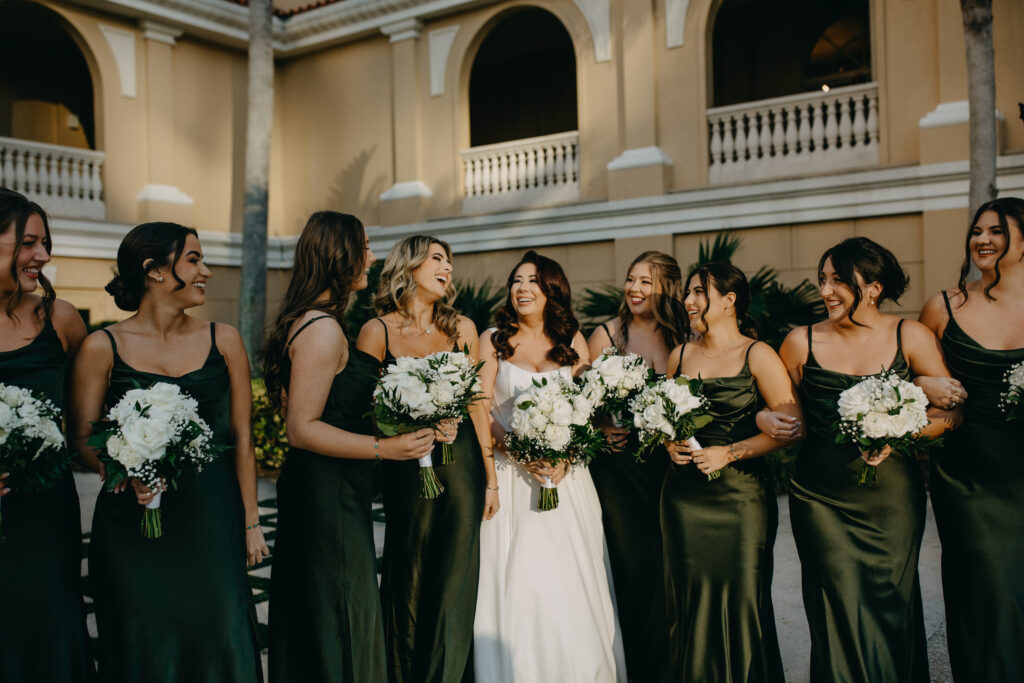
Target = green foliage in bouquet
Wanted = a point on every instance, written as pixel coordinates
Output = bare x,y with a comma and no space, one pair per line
269,438
685,427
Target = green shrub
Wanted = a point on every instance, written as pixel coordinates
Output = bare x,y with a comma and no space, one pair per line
268,430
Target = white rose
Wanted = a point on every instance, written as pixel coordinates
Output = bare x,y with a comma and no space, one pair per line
164,395
561,413
147,436
557,436
853,402
654,415
442,394
875,425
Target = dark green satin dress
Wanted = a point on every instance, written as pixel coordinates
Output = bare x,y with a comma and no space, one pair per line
629,492
978,494
176,609
325,617
719,540
431,563
858,546
42,617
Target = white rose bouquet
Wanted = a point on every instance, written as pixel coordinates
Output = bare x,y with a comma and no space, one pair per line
31,442
414,393
1012,400
551,421
154,435
613,381
879,411
670,410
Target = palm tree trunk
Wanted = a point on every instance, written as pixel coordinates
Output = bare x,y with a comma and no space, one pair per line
981,97
252,299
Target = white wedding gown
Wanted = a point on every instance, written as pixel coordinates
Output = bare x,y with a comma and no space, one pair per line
544,610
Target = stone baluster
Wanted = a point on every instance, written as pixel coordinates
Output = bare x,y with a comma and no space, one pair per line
872,123
817,128
845,124
728,144
859,126
20,172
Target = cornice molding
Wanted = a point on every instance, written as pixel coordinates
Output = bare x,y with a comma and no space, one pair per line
863,194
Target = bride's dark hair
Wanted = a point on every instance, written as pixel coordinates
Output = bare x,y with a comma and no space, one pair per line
560,325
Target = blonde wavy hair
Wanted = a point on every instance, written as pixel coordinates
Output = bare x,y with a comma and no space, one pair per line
666,305
398,285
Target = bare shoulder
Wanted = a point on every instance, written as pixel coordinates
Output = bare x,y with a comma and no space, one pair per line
603,332
97,349
915,332
795,341
371,338
762,352
228,338
466,328
67,320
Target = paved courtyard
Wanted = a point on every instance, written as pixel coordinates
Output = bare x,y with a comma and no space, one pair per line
789,614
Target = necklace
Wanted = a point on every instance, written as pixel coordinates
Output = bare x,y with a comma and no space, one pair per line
407,329
700,350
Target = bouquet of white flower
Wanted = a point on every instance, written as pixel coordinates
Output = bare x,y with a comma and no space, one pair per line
551,421
1012,400
613,381
154,435
670,410
879,411
31,442
420,392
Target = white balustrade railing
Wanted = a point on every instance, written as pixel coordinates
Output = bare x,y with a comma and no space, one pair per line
795,135
65,181
545,168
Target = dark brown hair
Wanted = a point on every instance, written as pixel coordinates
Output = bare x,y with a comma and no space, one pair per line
330,256
15,210
1006,208
161,245
560,325
725,278
874,262
666,305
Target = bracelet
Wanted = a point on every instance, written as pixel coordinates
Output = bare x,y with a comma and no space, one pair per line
732,453
488,488
376,450
253,526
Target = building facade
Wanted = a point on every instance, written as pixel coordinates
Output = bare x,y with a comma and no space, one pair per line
589,129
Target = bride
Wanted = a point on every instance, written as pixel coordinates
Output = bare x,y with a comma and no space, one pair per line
544,611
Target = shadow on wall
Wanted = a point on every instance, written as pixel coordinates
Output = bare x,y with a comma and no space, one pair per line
348,194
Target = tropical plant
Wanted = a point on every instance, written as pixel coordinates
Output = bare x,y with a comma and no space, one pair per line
594,306
268,431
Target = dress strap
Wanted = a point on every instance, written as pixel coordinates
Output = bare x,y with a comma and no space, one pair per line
604,326
899,336
746,356
945,298
113,344
387,341
304,326
810,350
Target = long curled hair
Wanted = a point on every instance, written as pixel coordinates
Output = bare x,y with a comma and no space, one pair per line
725,278
330,256
15,210
874,262
666,299
398,283
560,325
1007,208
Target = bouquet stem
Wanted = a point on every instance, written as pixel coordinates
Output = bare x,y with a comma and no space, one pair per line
868,475
152,521
447,454
430,486
548,495
695,445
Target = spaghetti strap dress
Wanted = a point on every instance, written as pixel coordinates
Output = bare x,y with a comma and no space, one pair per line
431,563
41,556
176,609
719,539
977,489
325,618
858,545
629,492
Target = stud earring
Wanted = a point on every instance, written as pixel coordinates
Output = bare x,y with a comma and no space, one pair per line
161,279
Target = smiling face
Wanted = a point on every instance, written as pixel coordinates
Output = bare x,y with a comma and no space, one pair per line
839,296
706,307
433,276
988,241
527,297
26,256
368,260
191,270
640,289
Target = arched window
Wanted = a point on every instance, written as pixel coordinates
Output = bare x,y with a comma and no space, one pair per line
523,80
46,92
769,49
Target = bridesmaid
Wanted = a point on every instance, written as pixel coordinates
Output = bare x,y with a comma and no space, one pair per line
859,545
650,323
979,499
431,561
41,557
325,618
719,534
157,621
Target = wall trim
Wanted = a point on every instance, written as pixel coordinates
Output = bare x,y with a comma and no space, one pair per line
842,196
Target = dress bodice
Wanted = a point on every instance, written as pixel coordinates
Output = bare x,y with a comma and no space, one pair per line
511,381
982,371
39,365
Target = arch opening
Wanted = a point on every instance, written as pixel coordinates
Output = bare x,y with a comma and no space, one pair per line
46,90
762,50
523,80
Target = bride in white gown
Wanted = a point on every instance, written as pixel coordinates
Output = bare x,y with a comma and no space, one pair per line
544,608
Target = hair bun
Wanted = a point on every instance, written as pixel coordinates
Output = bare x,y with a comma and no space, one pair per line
124,298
